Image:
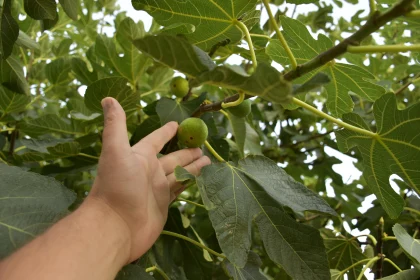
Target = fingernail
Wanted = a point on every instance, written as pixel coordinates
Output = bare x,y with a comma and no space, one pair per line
106,104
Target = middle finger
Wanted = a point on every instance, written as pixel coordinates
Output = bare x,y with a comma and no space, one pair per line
181,158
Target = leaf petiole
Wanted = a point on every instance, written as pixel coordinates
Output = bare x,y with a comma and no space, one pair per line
413,14
368,265
376,49
213,152
412,210
193,242
160,271
236,102
245,30
350,267
334,120
370,236
280,35
372,5
191,202
393,264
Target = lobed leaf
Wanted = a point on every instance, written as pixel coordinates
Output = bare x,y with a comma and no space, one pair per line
12,76
214,21
11,102
116,87
176,53
235,199
266,82
50,124
395,149
9,30
41,9
30,203
251,270
71,7
410,245
171,110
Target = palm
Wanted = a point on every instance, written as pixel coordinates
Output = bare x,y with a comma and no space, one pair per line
135,183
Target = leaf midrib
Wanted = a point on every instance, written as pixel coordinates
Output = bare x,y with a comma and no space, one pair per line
265,213
191,16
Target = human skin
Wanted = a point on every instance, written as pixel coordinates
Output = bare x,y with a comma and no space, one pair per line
123,215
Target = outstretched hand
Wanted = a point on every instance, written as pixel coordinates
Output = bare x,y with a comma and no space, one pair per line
134,183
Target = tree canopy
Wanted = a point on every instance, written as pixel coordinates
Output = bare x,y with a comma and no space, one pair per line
272,205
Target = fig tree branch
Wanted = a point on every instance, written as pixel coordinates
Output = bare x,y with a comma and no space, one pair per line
405,86
376,21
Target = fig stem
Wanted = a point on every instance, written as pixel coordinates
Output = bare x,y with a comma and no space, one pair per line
236,102
213,152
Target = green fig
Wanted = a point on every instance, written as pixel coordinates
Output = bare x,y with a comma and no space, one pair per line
192,132
179,87
242,110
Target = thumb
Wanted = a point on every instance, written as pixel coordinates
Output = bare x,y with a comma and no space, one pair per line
115,136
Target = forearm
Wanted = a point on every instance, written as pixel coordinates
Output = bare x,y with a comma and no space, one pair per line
91,243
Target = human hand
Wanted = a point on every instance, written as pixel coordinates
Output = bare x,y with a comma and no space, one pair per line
134,183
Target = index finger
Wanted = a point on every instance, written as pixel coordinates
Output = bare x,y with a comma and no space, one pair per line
160,137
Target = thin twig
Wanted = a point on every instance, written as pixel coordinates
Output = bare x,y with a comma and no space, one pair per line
379,249
375,22
404,87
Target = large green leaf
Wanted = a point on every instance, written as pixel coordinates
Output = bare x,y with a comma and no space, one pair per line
251,271
133,64
25,41
11,102
40,145
238,126
9,30
50,124
214,21
410,245
116,87
81,71
30,203
236,197
41,9
158,82
59,151
58,71
394,150
71,7
409,274
173,110
12,76
199,268
266,82
145,128
176,53
342,253
136,62
346,79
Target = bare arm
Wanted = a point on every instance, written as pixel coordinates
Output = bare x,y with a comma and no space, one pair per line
122,216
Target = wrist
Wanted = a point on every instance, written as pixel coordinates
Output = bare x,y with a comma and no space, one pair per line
117,230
